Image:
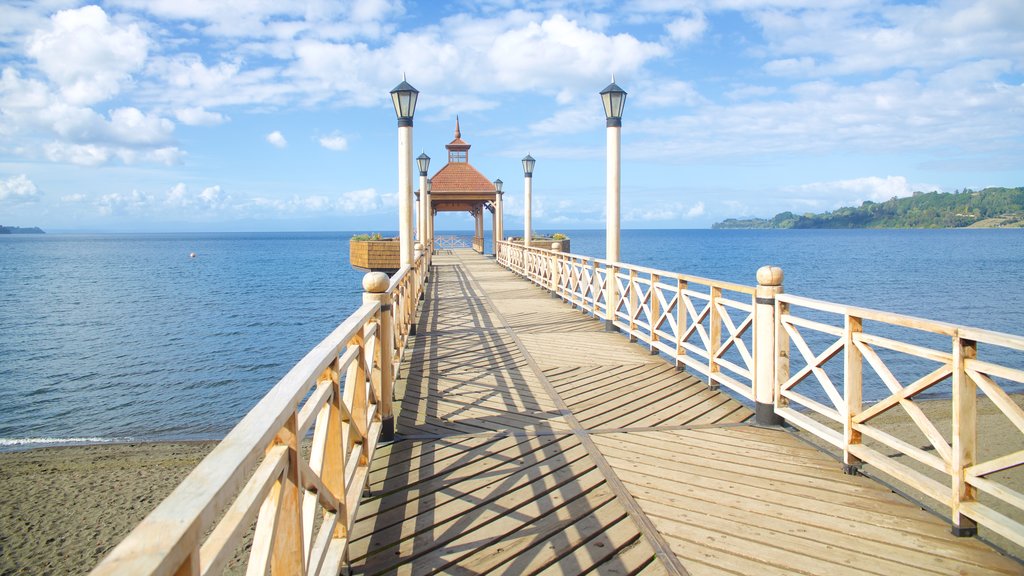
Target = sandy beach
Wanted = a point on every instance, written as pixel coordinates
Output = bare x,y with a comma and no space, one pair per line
63,509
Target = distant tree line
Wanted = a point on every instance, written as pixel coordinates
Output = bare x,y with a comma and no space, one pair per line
18,230
991,207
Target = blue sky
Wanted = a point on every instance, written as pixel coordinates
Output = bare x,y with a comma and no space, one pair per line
198,115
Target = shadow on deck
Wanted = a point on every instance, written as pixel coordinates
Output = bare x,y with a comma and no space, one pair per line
532,441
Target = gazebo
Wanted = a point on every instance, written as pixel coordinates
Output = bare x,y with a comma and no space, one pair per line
458,186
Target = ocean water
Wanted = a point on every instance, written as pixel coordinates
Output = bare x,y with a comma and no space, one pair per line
125,337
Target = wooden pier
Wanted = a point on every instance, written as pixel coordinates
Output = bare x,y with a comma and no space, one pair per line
532,441
553,413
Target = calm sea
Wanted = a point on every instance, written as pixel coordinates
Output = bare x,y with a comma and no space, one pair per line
125,337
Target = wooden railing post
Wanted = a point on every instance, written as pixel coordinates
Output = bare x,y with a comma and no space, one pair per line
965,434
714,335
769,285
634,305
554,268
655,312
853,389
681,324
288,556
611,298
375,285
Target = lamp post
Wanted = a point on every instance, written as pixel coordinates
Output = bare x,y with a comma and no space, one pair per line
423,163
528,163
404,98
430,217
614,99
499,229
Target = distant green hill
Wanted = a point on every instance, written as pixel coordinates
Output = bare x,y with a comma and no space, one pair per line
18,230
988,208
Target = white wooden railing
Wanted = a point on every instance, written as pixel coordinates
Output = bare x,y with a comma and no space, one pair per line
342,390
770,347
450,242
704,325
866,346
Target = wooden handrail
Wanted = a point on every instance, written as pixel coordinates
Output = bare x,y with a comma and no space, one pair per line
701,330
696,326
351,376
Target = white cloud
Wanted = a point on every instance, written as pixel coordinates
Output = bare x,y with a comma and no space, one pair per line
88,56
790,66
277,139
687,29
335,142
18,190
359,201
199,116
97,154
857,190
81,154
211,198
664,213
133,202
132,126
547,53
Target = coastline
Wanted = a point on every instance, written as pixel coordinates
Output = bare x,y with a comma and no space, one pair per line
64,508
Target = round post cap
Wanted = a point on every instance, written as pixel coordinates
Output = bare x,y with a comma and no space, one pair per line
376,282
769,276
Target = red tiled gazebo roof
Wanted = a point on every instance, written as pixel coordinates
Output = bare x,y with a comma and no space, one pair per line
458,177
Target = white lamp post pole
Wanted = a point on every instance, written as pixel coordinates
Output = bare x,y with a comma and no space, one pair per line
499,216
423,163
528,163
430,221
404,98
614,99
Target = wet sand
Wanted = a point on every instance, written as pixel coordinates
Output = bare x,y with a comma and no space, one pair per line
63,509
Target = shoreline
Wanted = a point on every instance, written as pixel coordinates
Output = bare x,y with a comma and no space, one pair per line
65,507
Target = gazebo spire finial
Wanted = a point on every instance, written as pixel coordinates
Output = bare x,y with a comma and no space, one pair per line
458,133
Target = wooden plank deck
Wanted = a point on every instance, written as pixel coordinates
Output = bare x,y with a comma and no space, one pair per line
531,441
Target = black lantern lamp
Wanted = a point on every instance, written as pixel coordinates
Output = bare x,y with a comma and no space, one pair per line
614,100
528,163
404,98
423,161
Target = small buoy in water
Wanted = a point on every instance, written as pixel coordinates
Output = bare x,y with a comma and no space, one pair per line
191,254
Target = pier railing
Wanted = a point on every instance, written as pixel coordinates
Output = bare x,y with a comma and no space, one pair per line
701,324
829,369
303,507
450,242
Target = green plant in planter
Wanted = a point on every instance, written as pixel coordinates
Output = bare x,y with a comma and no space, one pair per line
367,237
559,236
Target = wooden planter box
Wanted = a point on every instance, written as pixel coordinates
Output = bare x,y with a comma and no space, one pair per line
375,255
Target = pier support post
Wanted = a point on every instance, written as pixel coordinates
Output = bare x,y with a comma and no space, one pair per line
376,285
769,285
965,435
611,296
